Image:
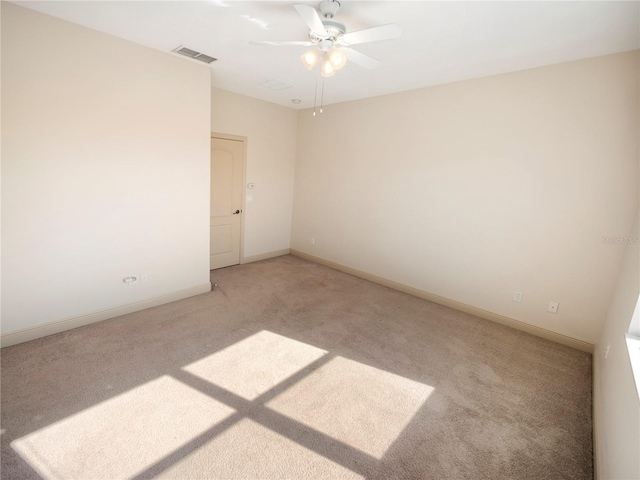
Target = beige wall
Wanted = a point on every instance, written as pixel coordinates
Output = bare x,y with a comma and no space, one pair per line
478,189
271,148
616,404
105,171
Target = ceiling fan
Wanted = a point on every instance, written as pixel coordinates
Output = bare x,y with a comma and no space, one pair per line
331,41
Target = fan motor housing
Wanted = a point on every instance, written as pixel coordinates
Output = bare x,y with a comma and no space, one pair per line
329,8
334,30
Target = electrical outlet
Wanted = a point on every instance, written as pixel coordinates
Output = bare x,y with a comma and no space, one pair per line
144,277
517,297
553,307
313,241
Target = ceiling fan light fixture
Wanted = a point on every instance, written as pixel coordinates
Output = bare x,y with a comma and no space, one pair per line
326,68
337,59
310,58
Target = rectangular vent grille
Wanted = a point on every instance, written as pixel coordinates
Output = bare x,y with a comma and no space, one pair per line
187,52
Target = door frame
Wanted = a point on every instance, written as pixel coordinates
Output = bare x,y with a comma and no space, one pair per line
243,140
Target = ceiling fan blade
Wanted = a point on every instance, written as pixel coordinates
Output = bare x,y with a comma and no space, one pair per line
311,18
360,58
375,34
271,43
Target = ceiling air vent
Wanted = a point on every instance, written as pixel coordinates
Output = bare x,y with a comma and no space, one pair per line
187,52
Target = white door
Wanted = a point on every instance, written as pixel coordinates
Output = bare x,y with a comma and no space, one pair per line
227,159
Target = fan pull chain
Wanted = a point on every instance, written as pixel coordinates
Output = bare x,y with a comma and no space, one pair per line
315,94
322,96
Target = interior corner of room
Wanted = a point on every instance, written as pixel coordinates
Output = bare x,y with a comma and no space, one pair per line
469,194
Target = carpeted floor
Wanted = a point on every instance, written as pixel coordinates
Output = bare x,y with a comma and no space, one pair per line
289,369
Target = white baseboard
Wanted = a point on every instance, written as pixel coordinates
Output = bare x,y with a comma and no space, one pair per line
27,334
478,312
265,256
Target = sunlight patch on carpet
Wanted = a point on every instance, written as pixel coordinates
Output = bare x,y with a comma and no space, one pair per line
123,435
361,406
249,450
255,364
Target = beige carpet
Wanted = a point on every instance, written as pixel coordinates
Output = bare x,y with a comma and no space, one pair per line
289,369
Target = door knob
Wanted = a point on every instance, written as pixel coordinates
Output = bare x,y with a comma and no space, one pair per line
237,212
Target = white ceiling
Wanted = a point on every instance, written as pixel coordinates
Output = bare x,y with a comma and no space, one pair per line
441,42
